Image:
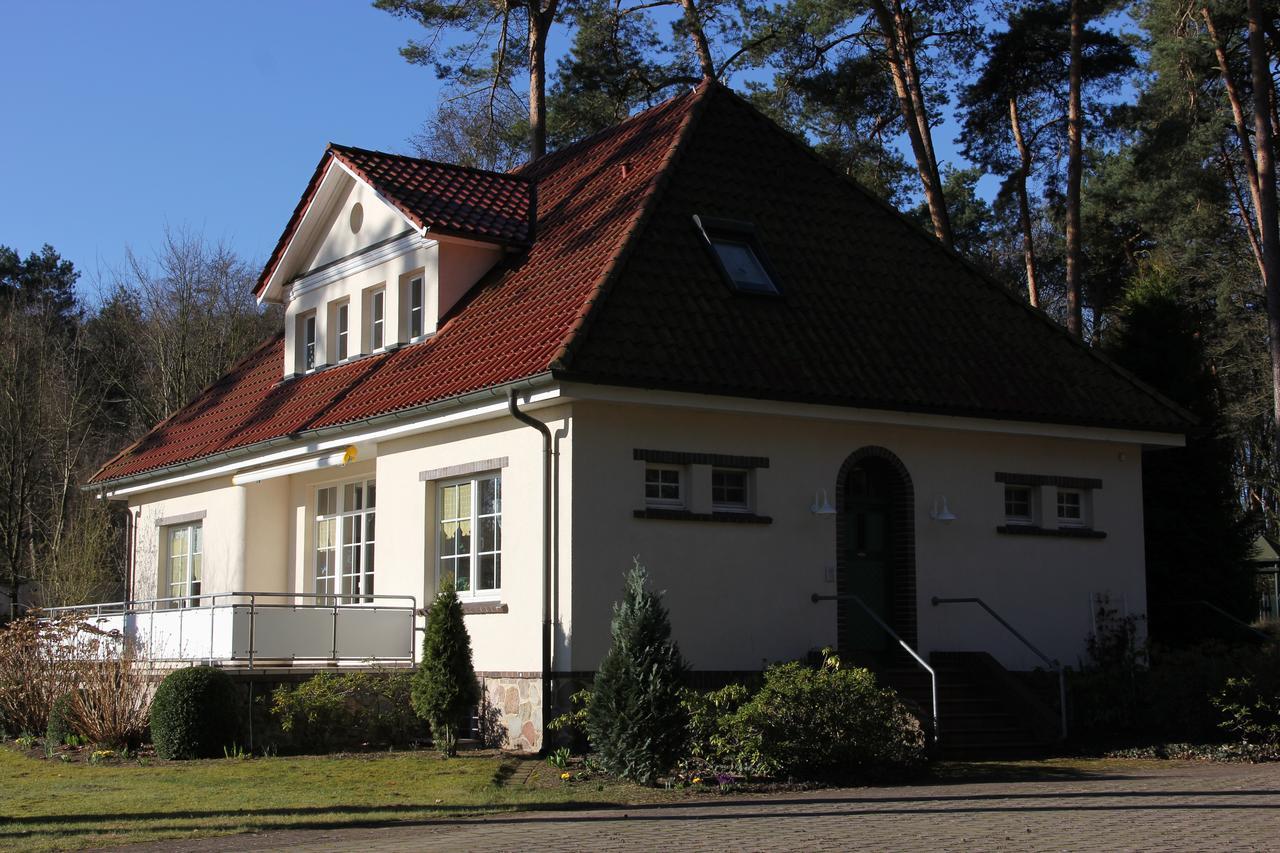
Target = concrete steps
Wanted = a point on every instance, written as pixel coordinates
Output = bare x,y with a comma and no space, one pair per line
980,714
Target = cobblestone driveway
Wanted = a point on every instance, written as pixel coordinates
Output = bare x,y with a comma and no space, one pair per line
1134,806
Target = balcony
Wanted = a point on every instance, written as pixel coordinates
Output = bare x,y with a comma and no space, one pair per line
258,629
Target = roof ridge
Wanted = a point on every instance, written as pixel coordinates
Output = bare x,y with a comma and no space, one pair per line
443,164
648,202
982,275
591,139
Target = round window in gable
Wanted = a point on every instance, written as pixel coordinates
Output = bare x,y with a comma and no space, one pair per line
357,217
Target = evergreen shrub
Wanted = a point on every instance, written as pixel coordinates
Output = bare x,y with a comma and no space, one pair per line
342,710
445,690
636,721
61,721
195,714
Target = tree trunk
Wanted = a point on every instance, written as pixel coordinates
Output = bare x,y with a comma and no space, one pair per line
1237,106
699,36
1075,122
1268,224
539,27
1024,205
893,26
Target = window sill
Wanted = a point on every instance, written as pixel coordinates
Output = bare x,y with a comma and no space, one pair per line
474,608
1060,532
685,515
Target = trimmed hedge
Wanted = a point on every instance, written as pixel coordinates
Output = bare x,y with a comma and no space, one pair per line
195,714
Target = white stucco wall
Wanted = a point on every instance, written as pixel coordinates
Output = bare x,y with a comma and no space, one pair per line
260,537
739,594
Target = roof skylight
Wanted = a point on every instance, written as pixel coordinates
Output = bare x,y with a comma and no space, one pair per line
738,254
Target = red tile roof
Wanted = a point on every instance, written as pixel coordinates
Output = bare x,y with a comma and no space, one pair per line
513,324
458,201
615,288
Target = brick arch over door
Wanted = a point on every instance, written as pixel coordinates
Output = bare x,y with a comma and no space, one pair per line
902,590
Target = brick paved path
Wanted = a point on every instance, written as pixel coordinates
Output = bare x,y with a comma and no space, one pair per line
1137,806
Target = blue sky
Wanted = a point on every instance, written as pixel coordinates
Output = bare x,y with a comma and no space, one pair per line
125,117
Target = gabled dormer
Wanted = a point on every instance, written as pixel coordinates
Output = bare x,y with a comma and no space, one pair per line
382,246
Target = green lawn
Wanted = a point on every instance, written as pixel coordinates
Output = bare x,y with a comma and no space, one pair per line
48,804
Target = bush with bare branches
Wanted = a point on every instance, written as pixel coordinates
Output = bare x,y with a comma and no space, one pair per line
38,663
111,705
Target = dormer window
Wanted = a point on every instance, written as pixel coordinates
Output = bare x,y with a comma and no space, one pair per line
415,308
307,332
377,320
342,331
738,255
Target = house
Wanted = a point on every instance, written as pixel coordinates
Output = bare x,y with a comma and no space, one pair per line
685,339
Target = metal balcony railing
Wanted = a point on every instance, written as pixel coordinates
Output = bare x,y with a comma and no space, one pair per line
253,628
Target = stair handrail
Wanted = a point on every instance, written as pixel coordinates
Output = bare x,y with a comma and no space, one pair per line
1052,664
1261,635
933,676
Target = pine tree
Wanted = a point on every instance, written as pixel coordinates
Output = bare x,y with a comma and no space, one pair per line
445,689
636,722
1197,537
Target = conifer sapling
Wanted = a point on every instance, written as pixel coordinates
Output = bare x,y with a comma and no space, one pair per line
445,689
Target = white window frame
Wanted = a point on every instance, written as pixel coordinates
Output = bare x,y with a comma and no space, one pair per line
1030,517
747,491
361,546
474,553
307,334
342,331
682,486
1083,505
185,592
417,311
378,319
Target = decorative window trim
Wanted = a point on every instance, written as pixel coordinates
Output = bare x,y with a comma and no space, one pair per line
451,471
1062,532
1048,480
473,608
475,517
664,514
680,457
184,518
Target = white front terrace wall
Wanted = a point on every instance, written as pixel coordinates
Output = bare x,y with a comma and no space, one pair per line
739,594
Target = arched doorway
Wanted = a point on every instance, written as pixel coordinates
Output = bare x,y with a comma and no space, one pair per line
875,559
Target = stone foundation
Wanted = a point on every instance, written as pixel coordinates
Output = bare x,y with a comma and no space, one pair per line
511,711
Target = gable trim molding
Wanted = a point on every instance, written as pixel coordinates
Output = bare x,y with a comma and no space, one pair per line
462,469
889,417
358,261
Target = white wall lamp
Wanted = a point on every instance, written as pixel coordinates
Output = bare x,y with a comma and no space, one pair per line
823,506
941,512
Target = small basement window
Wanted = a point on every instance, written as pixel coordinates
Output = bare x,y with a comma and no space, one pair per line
1071,509
730,490
662,486
738,254
1018,505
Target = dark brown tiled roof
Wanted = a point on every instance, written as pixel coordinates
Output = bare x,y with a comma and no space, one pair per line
874,312
617,288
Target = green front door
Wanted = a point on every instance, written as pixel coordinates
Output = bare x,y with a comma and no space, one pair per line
868,559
